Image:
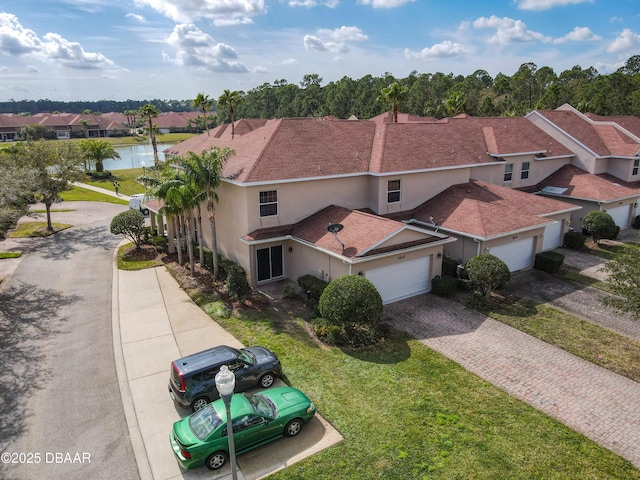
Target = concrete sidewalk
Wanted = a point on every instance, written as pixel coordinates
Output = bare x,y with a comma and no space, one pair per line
154,323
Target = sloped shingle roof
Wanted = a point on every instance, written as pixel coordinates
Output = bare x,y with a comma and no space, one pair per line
582,184
361,232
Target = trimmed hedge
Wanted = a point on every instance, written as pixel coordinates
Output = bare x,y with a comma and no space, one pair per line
549,262
574,240
444,286
312,285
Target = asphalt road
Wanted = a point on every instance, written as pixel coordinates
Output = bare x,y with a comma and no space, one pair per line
61,414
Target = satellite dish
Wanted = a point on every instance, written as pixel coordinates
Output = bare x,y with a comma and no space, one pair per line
335,228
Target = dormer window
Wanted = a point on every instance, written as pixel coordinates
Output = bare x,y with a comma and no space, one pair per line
508,172
269,203
636,164
524,172
393,191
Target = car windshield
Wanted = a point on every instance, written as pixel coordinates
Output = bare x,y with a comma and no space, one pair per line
262,405
246,356
204,421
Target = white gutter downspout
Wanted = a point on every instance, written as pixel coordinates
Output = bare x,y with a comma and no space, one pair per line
479,243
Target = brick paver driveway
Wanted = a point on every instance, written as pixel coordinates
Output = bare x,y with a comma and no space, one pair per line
600,404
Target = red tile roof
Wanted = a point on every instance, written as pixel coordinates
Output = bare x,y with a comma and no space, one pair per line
361,232
582,184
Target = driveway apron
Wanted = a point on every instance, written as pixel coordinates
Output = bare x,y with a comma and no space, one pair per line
600,404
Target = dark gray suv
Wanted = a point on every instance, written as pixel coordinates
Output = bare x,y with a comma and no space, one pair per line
192,381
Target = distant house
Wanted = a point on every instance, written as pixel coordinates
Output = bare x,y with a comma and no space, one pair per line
73,125
401,196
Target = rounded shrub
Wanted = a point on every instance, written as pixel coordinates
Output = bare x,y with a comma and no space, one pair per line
351,300
487,272
600,225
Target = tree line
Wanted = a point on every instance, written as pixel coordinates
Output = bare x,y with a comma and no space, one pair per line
427,94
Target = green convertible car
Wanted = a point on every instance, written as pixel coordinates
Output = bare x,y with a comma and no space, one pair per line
201,438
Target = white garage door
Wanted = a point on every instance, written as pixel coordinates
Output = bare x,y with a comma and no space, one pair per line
620,215
401,280
517,254
552,236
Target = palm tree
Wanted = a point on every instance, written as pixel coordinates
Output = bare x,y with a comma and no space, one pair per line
150,112
180,198
393,94
98,151
204,103
132,116
205,171
231,100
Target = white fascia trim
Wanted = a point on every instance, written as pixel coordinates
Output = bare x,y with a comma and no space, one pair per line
562,131
557,157
592,199
343,258
492,237
566,210
621,157
504,155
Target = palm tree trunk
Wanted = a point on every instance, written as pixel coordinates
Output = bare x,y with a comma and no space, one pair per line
214,244
200,242
192,267
177,227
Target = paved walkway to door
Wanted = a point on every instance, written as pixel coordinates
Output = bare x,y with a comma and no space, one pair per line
600,404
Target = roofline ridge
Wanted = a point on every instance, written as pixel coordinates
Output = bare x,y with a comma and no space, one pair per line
279,122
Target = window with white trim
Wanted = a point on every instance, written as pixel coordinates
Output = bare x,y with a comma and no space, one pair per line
393,191
508,172
524,172
636,165
269,203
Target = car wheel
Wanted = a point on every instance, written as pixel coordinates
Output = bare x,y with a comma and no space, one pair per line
293,427
267,380
216,460
199,403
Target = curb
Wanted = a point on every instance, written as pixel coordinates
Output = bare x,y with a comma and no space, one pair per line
137,443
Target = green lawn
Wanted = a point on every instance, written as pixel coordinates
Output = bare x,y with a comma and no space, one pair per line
36,229
407,412
126,178
79,194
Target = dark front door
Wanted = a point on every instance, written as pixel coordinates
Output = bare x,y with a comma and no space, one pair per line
270,263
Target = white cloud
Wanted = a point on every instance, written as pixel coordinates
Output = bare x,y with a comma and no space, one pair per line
136,17
439,50
337,39
579,34
72,54
627,40
509,30
547,4
220,12
312,42
194,48
16,40
32,69
385,3
313,3
344,34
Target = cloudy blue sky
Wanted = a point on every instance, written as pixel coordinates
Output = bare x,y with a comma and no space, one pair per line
173,49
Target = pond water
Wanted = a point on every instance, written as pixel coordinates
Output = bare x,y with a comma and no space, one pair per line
132,156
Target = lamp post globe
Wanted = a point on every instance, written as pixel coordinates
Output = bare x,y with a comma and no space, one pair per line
225,383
